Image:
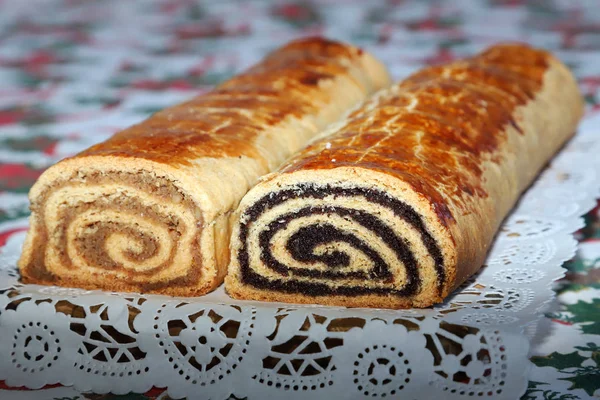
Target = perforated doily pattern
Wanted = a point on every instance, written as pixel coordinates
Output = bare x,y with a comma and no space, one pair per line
473,345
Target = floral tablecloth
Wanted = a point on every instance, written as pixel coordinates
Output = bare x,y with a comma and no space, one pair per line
72,72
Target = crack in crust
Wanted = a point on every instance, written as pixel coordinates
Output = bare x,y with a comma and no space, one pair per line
458,142
213,149
463,108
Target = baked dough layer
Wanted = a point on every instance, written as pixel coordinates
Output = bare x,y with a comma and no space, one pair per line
397,205
149,210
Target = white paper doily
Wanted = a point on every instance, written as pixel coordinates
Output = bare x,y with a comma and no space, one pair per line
475,345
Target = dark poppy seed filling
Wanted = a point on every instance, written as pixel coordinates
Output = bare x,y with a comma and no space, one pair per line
309,237
302,243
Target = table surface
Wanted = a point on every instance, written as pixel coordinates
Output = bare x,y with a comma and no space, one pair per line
95,67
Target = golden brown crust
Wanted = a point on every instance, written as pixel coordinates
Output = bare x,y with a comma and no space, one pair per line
464,108
462,140
149,210
226,121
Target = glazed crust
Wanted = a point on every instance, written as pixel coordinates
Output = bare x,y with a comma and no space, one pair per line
457,144
149,210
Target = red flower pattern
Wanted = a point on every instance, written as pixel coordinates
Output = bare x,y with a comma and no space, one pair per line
185,29
17,177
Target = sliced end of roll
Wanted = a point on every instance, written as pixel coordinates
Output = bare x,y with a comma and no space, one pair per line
122,224
346,237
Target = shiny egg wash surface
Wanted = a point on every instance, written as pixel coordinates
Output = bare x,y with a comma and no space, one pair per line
152,174
430,131
452,113
225,121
